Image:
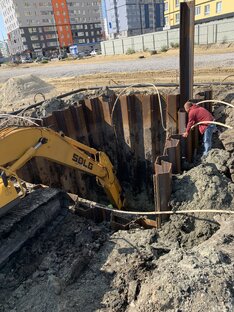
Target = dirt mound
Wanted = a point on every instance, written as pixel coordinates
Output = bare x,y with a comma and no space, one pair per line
191,280
21,88
203,187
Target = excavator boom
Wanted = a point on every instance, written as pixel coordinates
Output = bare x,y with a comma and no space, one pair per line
19,145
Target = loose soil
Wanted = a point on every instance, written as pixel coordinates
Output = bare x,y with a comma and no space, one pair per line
76,265
18,90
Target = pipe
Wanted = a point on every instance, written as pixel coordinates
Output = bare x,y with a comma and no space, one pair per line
215,101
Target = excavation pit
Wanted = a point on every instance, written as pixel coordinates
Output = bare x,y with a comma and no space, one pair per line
138,132
129,131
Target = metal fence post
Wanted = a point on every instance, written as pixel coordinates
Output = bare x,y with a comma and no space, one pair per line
154,42
216,33
143,45
122,46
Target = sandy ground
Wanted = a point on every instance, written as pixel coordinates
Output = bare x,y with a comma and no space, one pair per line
219,58
66,84
209,75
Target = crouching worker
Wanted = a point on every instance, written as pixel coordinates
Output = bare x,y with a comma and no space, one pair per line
197,114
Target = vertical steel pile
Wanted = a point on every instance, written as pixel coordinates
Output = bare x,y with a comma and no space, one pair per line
187,12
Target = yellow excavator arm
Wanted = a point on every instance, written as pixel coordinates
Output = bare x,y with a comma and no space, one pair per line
19,145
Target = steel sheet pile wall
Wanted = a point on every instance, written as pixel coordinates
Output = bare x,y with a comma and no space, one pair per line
133,143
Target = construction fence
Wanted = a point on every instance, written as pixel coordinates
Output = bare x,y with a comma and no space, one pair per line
208,33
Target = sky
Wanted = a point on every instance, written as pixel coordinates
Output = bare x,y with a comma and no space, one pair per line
2,28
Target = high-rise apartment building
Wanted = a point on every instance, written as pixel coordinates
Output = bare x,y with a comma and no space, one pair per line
134,17
39,25
205,10
4,52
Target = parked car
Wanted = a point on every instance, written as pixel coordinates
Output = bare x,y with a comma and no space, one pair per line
93,53
62,56
27,60
42,58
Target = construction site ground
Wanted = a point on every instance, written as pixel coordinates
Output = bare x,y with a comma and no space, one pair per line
73,264
211,64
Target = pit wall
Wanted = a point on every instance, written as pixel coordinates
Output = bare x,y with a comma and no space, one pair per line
207,33
133,143
144,155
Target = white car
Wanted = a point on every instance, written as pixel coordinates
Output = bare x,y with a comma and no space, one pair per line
92,53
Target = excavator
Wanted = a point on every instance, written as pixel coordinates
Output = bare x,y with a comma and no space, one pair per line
18,145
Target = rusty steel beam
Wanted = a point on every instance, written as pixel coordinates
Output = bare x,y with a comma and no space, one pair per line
186,51
162,187
172,101
172,150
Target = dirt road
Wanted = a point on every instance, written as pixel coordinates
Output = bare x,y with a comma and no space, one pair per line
115,65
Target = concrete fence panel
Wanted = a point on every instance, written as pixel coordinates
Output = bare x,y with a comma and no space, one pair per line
149,43
127,44
221,31
119,46
138,43
173,36
225,32
161,39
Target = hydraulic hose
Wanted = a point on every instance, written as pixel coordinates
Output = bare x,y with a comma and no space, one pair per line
216,102
212,123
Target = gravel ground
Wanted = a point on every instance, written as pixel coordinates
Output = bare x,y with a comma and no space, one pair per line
152,63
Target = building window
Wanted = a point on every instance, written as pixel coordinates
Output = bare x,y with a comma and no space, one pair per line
177,3
197,10
36,45
34,38
207,9
219,7
166,21
166,6
177,18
